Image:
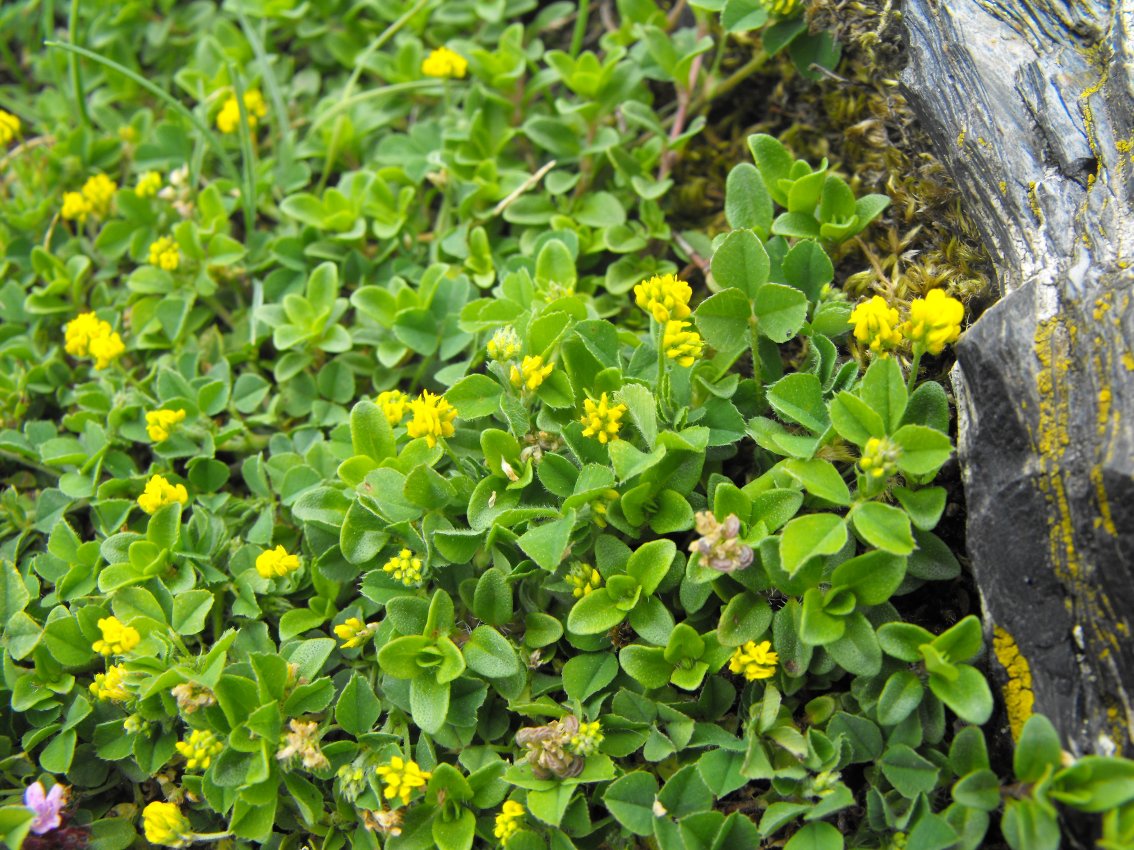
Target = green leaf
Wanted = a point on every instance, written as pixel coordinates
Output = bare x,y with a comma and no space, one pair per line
773,161
594,614
924,450
743,15
475,396
741,262
744,618
642,408
190,609
747,202
902,640
908,772
780,311
811,536
650,562
357,709
546,544
586,674
1030,825
488,653
492,600
884,526
14,596
872,577
455,834
808,268
857,651
798,397
1038,750
818,627
541,630
724,320
884,391
685,793
925,506
645,664
979,790
630,800
900,696
1094,783
818,835
429,703
370,432
968,695
854,420
820,478
962,640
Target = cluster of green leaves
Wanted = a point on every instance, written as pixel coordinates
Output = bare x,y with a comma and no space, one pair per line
372,232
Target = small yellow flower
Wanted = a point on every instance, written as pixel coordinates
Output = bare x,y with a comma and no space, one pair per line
934,322
404,567
79,332
601,505
160,424
681,345
782,8
504,345
276,563
228,119
159,493
200,750
148,185
880,457
876,325
106,349
432,418
164,824
583,579
754,660
9,127
665,297
508,821
75,207
603,419
164,254
99,192
353,632
393,404
530,373
116,638
111,685
402,778
444,62
587,739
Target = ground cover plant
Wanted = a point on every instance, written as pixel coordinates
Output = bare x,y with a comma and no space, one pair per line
387,464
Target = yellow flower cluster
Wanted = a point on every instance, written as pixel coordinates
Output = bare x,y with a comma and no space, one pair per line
504,345
159,493
160,424
92,200
601,505
432,418
443,63
116,637
164,254
88,335
404,567
754,660
665,297
393,404
782,8
200,750
402,778
353,632
587,739
148,185
876,326
681,345
530,373
880,457
228,119
9,127
508,821
165,825
111,685
583,579
934,321
276,563
603,419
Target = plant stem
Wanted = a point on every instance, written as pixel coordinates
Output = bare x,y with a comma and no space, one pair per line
735,79
912,382
73,62
580,27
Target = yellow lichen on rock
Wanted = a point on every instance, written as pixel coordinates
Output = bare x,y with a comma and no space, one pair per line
1019,699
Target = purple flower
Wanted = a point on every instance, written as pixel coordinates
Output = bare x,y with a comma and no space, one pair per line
46,806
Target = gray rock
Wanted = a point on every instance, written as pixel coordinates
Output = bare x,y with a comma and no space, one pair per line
1031,107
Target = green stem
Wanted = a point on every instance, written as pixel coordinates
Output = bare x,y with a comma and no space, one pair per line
735,79
29,464
73,62
757,362
248,166
912,382
210,139
580,27
347,102
279,107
